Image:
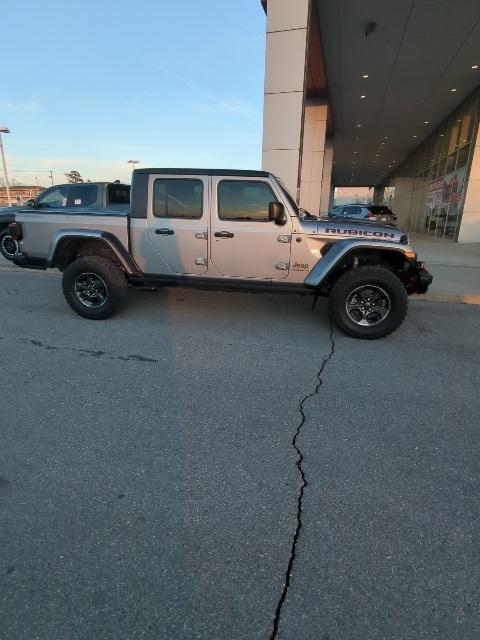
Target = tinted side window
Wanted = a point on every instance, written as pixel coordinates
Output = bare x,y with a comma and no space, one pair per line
82,195
177,198
353,211
54,198
118,194
244,200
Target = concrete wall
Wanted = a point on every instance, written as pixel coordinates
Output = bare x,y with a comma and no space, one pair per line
295,147
287,30
470,224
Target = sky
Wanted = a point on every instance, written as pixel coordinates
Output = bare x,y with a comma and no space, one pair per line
87,86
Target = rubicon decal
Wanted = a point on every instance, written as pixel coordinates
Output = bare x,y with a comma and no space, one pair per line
356,232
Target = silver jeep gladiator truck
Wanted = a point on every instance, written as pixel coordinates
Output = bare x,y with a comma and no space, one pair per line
223,229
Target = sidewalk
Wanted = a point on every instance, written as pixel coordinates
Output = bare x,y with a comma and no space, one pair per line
455,268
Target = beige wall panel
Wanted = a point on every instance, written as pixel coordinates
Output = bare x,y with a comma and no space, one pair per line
287,14
285,61
470,224
283,164
282,119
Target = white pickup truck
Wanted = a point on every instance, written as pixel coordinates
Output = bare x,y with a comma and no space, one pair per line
222,229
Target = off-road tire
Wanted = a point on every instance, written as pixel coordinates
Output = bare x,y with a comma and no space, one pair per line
110,275
374,276
6,240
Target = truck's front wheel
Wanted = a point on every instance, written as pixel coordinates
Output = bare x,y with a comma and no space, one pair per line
95,287
368,302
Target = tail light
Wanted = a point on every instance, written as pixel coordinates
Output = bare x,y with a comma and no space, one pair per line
16,231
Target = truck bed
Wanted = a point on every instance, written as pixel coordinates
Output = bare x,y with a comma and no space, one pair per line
40,227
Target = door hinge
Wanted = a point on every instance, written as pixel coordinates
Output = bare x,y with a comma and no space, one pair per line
201,235
200,261
282,238
282,266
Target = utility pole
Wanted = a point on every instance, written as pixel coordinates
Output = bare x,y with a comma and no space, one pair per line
51,176
7,185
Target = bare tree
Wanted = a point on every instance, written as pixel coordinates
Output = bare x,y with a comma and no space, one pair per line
73,177
12,182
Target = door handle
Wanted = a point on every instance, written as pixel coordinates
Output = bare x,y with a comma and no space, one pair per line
164,232
223,234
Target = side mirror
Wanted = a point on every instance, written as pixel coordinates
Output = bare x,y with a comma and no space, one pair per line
31,203
276,212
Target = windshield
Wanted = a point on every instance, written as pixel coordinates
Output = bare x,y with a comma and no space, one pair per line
301,213
289,196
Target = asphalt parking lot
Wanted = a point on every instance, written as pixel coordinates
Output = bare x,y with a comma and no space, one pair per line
148,485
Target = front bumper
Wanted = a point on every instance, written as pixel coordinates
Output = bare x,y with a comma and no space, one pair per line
420,280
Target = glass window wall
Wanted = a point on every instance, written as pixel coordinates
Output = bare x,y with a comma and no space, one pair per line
436,174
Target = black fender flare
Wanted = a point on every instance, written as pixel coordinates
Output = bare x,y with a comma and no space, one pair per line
63,236
341,249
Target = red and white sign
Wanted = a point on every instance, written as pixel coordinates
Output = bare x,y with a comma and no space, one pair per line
448,189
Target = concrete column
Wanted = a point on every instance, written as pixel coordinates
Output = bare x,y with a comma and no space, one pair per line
402,201
285,62
470,224
378,195
327,190
331,199
312,154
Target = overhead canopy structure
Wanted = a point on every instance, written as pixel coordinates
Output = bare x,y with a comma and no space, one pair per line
422,59
352,89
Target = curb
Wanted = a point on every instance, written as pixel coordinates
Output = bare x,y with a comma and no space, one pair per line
448,297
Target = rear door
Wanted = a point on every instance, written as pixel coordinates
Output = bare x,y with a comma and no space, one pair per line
177,227
244,243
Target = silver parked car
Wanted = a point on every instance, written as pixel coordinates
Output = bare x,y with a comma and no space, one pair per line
375,213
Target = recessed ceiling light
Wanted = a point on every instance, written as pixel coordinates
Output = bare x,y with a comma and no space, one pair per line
453,90
414,136
365,75
386,138
442,135
426,122
363,97
359,125
355,152
459,120
474,66
377,155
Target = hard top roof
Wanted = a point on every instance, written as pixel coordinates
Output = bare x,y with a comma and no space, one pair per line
206,172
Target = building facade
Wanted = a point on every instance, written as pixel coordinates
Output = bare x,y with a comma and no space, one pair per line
19,194
382,94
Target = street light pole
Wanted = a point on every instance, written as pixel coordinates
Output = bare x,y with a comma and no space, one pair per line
133,163
7,185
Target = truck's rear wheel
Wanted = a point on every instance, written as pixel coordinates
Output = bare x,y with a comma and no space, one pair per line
8,246
368,302
95,287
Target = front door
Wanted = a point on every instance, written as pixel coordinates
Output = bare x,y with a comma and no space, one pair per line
178,225
244,243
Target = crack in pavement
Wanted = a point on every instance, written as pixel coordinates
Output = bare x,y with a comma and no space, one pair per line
303,485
